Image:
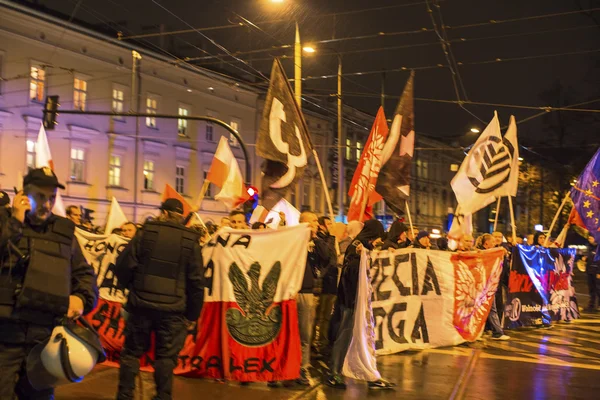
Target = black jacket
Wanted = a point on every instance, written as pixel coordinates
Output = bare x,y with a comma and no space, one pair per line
350,271
330,268
83,278
129,260
592,267
318,259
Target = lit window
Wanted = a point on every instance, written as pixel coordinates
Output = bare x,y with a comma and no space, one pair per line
118,100
148,175
348,149
358,149
182,124
77,165
210,132
232,139
30,154
180,179
114,170
151,108
37,83
79,94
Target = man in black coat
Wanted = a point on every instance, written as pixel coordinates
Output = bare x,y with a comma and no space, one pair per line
43,278
329,281
592,270
162,267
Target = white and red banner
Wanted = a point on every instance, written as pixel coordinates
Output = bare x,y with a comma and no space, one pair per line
248,329
427,298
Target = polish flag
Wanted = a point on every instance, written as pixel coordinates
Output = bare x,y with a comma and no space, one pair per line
225,173
170,193
248,329
43,158
115,218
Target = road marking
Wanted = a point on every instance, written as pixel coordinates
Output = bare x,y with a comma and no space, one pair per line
460,386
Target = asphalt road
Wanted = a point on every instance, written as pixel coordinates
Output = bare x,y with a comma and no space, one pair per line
562,362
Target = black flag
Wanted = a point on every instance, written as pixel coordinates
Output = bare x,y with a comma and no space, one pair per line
393,183
283,139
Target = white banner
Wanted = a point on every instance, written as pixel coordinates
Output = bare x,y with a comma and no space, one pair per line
101,252
426,298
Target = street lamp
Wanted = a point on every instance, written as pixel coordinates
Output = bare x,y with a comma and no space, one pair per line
340,160
475,130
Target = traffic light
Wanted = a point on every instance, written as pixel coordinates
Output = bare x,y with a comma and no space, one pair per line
251,203
50,112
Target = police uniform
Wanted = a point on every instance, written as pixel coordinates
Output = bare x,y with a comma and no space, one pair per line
40,267
162,268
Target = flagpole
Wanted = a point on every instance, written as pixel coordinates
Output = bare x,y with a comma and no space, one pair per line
567,197
323,183
409,218
200,198
512,220
497,213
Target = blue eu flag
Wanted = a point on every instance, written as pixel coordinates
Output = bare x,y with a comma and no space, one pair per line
586,196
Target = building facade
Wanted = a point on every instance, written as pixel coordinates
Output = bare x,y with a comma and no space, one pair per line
95,155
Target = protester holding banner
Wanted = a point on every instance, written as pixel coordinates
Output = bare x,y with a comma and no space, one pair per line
485,242
326,298
397,237
466,243
369,237
162,267
237,220
44,277
319,258
422,241
592,269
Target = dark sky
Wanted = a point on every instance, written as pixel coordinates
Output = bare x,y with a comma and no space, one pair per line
519,82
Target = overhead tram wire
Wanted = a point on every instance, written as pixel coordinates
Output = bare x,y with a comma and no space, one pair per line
388,48
245,20
212,41
176,60
422,30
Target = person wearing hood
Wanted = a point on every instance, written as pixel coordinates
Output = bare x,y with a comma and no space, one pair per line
422,241
369,237
353,229
397,237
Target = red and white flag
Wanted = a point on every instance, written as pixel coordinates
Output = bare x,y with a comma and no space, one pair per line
225,173
43,158
248,330
362,189
171,193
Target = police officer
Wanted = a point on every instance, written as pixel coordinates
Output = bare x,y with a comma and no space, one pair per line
162,267
43,277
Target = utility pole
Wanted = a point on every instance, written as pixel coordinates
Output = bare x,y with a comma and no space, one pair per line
136,91
298,68
339,137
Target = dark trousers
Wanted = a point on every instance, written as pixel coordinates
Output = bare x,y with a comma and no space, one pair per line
594,289
324,311
342,340
170,333
13,377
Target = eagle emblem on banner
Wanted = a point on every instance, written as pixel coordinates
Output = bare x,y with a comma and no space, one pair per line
257,321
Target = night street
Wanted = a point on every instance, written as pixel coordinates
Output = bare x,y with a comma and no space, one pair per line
557,363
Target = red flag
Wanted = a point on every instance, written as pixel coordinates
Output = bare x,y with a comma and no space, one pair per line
170,193
362,188
575,219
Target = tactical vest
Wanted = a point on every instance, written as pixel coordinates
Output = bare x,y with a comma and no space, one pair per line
39,286
160,278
